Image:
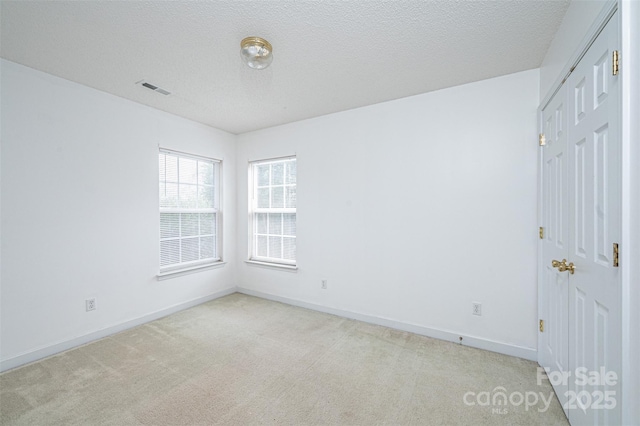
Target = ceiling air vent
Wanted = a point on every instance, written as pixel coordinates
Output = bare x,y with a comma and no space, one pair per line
153,87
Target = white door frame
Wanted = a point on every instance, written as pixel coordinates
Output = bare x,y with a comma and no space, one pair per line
630,243
630,131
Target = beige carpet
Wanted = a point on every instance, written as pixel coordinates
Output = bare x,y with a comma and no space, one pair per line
240,360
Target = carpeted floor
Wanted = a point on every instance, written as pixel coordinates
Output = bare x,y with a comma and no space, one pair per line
240,360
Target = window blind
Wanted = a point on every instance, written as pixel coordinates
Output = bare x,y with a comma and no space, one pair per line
189,213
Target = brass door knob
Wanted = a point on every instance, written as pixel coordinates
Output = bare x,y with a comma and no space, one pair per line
563,266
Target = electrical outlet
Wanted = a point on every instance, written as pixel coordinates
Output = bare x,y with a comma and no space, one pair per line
324,284
476,308
90,304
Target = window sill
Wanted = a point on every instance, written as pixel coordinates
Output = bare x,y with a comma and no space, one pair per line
180,272
291,268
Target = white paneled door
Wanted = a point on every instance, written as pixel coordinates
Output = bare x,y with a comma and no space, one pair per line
553,342
580,297
595,328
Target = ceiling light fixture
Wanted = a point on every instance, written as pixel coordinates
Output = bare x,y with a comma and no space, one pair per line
256,52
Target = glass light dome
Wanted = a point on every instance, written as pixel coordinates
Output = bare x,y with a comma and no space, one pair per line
256,52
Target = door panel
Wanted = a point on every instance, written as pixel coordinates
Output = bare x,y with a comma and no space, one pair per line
581,197
554,295
594,289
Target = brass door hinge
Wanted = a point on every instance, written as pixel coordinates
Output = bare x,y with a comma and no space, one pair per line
616,62
541,325
541,140
541,233
616,255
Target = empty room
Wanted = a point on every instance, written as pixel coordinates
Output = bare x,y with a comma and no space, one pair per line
467,245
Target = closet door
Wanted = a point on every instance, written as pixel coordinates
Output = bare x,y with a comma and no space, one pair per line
579,293
595,328
553,293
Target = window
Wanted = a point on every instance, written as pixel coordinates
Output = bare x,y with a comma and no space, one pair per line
273,211
189,211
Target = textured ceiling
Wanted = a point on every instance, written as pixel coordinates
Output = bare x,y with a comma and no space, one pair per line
329,56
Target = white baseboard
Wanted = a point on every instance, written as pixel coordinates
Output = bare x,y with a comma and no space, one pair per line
49,350
474,342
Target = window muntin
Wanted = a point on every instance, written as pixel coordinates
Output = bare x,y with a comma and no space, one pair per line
273,210
189,210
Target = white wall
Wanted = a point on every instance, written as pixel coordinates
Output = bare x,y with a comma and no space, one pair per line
574,27
413,209
80,211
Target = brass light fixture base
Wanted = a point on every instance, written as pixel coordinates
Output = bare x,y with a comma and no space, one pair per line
248,41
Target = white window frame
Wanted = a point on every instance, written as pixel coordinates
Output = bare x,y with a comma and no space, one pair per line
217,184
253,210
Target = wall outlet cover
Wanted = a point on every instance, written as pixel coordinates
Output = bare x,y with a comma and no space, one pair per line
90,304
476,308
